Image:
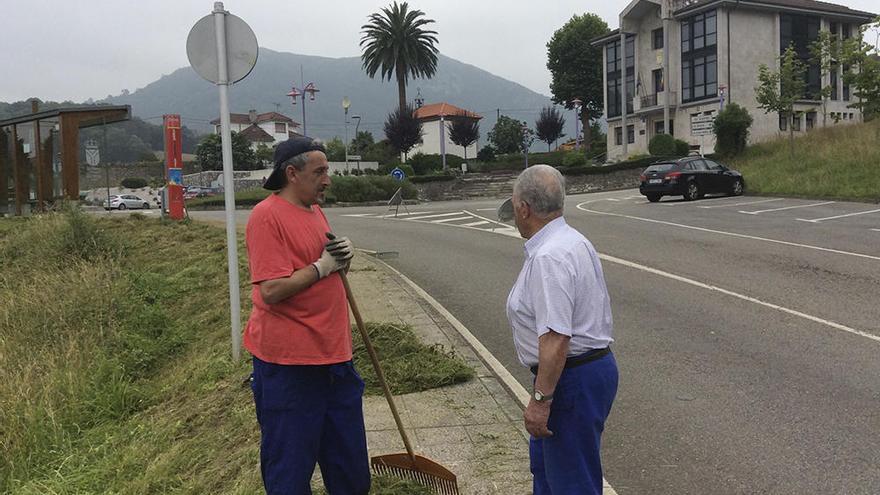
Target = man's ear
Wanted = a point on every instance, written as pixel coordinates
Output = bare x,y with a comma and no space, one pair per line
290,173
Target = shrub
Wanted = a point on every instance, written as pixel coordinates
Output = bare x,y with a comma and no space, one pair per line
441,177
134,182
682,148
368,188
662,145
423,164
486,154
574,159
732,130
386,169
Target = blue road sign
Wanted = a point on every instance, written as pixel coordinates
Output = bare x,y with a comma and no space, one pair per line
398,174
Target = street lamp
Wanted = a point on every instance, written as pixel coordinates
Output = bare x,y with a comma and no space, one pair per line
356,126
309,89
576,104
346,104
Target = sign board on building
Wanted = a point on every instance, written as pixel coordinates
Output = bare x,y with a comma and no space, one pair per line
702,125
93,155
355,158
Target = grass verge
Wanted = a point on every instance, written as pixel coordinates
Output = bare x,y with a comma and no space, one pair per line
115,374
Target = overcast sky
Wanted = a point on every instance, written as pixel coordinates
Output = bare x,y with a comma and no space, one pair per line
74,50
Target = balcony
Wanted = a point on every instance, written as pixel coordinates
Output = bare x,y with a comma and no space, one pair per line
656,99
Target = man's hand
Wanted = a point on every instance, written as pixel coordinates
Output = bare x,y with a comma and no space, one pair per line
536,416
328,264
341,249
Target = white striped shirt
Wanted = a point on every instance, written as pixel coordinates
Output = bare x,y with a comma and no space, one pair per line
561,287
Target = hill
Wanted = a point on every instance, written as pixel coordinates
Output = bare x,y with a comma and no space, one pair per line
265,89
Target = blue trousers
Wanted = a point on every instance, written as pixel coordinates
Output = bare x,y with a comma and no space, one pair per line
309,415
568,462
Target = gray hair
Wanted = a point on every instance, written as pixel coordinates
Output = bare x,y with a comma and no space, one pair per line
299,161
543,188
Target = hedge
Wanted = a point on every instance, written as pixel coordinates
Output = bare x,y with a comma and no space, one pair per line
643,162
421,179
134,182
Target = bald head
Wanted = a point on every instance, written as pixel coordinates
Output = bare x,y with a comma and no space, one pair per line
543,188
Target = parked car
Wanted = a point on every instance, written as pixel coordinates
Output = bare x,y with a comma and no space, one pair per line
691,177
125,201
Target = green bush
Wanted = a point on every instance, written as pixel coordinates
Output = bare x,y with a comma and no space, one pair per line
732,130
662,145
486,154
682,148
441,177
574,159
638,163
134,182
386,169
368,188
423,164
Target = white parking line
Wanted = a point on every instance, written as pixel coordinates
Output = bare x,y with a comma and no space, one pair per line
743,204
444,220
787,208
732,234
436,216
816,220
474,224
407,213
486,209
360,215
876,230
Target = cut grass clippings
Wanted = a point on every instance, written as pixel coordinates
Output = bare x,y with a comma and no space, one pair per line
115,368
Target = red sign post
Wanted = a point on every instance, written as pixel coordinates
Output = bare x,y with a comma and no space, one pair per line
173,166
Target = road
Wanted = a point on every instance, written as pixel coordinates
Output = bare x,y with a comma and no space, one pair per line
747,330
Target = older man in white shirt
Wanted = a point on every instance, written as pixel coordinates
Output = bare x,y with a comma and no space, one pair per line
560,314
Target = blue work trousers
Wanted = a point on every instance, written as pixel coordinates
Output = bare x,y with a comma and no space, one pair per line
309,415
568,462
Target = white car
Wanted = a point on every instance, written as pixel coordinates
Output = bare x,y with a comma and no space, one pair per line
125,201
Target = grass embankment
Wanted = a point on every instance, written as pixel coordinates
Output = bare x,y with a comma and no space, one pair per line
838,162
115,375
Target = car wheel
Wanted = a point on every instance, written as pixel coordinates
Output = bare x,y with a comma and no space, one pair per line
146,206
737,188
654,197
122,206
692,192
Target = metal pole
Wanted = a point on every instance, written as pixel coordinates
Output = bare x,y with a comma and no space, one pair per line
228,185
577,131
443,141
106,155
302,81
666,76
346,138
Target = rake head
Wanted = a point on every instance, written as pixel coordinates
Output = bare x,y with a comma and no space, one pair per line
419,469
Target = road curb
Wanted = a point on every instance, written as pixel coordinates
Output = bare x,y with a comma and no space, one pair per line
513,387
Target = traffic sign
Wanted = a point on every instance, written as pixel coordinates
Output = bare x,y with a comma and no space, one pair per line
356,158
241,48
398,174
702,118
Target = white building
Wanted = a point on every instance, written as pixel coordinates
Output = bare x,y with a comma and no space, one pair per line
713,49
435,118
270,128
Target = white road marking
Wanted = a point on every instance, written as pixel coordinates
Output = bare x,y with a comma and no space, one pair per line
816,220
743,204
612,199
787,208
407,213
360,215
436,216
443,220
486,209
474,224
732,234
876,230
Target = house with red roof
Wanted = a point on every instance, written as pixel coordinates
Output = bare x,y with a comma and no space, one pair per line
435,118
268,128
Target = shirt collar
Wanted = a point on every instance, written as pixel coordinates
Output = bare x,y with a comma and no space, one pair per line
541,236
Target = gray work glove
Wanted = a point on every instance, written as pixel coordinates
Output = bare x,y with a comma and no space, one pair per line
341,249
328,264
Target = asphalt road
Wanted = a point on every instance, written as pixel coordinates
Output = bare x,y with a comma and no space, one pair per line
747,330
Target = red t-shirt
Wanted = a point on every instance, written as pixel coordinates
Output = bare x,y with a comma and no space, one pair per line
311,327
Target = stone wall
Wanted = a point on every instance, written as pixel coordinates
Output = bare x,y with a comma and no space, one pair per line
96,177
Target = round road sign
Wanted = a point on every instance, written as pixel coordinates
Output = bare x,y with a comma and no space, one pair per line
241,49
398,174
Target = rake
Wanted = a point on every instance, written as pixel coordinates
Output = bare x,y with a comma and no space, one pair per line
408,465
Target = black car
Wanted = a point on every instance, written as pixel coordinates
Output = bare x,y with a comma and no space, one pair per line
691,177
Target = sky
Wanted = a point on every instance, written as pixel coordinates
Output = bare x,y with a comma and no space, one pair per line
75,50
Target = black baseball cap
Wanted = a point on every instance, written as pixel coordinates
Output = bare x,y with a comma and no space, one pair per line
285,151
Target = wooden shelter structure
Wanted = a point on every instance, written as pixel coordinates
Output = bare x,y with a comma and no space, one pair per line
39,154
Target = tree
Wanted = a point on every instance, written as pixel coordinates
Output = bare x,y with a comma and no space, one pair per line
382,152
778,91
335,149
549,125
731,128
210,156
264,154
361,143
396,43
403,129
576,68
507,135
463,131
864,73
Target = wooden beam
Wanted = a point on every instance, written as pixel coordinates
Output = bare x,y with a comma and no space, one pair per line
45,164
5,146
38,169
70,156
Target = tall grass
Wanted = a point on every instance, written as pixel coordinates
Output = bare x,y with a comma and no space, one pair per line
837,162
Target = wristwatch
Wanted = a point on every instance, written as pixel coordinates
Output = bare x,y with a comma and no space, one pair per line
541,396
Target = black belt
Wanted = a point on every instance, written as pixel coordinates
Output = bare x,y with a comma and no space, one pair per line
575,361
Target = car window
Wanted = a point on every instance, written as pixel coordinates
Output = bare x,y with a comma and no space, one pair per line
660,167
697,165
713,165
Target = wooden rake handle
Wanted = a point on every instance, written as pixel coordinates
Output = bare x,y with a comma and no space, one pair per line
375,360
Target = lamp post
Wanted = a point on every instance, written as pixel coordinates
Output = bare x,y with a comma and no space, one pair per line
295,92
576,104
346,104
356,126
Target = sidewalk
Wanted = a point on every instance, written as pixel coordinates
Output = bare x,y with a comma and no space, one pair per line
474,429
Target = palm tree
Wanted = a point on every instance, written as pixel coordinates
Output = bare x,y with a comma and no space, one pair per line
396,43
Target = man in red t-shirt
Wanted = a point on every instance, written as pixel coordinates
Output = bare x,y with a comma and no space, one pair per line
308,395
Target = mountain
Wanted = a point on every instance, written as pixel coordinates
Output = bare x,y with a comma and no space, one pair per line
265,89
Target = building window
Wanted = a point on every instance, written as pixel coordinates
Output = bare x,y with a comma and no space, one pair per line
657,76
783,122
657,38
699,59
796,122
834,78
630,134
618,136
811,120
613,72
845,85
280,128
799,31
